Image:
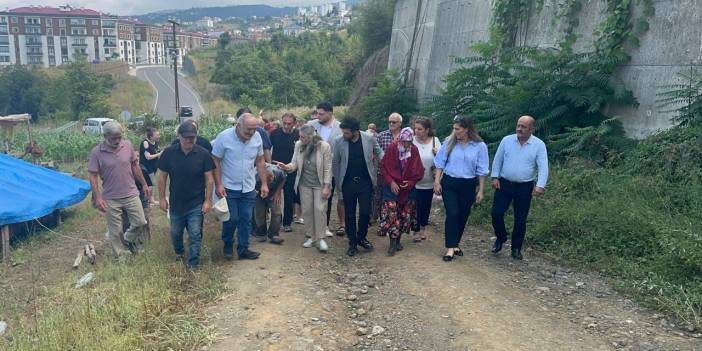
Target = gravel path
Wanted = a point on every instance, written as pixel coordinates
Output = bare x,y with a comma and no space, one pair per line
298,299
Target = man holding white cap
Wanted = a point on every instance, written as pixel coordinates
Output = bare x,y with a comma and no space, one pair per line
190,167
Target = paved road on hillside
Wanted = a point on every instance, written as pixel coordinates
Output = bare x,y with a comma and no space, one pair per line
161,80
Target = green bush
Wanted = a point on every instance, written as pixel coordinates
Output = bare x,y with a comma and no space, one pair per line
561,89
632,223
289,70
389,95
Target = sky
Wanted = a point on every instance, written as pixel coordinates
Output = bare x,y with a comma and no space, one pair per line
138,7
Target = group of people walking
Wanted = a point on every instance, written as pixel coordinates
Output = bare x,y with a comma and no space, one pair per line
391,178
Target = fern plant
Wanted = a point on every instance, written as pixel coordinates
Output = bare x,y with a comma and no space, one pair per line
564,91
683,99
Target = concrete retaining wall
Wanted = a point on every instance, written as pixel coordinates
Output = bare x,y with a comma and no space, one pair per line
441,29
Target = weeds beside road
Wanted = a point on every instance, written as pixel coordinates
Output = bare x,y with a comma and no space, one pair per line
150,302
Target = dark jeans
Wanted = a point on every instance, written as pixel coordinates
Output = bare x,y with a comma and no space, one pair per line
289,199
459,196
240,213
520,194
424,198
329,201
191,220
357,192
261,212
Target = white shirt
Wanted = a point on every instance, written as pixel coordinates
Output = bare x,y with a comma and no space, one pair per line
238,159
427,155
325,132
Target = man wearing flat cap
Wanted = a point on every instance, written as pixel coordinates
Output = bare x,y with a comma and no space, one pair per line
190,168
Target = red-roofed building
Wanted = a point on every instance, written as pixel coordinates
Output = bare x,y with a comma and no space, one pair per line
49,36
148,40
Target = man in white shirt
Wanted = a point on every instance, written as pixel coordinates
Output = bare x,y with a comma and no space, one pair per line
238,155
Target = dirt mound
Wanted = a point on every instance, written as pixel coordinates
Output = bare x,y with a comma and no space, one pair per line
375,65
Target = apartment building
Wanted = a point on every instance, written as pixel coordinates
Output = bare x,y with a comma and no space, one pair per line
110,45
148,44
125,41
49,36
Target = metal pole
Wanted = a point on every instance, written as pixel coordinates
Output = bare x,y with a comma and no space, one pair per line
175,70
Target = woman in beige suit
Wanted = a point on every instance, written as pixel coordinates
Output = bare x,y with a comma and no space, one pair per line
313,162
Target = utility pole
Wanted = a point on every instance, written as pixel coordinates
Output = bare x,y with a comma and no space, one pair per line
174,55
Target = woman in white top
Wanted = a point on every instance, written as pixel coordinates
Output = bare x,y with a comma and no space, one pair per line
428,146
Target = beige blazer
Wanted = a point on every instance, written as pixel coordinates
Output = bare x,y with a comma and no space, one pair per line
324,163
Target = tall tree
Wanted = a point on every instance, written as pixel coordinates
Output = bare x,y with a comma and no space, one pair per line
22,91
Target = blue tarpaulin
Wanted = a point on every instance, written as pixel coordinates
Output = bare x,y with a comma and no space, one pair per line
28,191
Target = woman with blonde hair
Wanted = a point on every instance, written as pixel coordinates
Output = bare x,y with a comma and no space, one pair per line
313,161
461,166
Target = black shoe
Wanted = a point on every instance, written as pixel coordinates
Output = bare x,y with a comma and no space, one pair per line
458,252
497,247
352,251
448,258
276,240
261,238
393,247
228,251
248,255
366,244
517,254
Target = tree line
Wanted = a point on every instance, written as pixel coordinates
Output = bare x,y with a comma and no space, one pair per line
73,92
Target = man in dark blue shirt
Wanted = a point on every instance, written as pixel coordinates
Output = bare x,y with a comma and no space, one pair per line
283,140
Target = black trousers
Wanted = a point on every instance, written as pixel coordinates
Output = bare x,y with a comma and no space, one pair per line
359,192
424,198
520,195
459,196
289,199
329,201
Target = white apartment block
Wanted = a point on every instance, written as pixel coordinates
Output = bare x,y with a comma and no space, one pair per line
48,36
51,36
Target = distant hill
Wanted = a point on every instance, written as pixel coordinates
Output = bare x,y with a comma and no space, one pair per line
223,12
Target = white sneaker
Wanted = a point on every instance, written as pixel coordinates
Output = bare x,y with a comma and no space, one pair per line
328,234
308,243
323,246
299,221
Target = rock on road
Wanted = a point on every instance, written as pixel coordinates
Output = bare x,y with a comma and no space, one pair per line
161,80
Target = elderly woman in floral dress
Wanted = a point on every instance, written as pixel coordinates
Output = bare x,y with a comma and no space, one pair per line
401,168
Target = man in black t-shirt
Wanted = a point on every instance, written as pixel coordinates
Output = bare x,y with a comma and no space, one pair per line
200,141
283,141
190,167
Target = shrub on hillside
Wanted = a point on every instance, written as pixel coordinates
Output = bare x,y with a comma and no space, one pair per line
389,95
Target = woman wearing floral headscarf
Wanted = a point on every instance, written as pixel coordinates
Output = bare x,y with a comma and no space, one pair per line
401,169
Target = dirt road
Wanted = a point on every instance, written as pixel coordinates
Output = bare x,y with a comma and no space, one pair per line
298,299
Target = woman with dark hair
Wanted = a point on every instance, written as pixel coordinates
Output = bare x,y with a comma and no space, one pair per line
461,166
401,168
428,145
149,154
313,162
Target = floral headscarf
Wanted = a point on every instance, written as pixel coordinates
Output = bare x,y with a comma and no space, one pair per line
406,134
